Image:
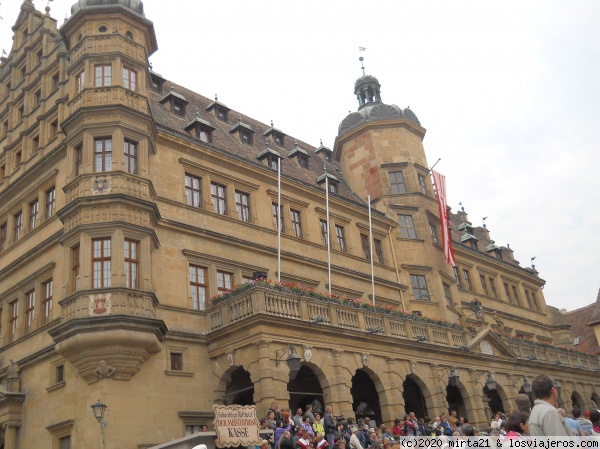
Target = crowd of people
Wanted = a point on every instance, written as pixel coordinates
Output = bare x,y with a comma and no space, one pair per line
306,429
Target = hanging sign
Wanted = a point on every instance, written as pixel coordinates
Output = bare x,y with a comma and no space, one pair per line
236,425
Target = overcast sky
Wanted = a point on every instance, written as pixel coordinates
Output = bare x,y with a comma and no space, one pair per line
509,92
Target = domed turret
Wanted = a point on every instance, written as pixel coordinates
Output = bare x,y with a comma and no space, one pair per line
134,5
367,90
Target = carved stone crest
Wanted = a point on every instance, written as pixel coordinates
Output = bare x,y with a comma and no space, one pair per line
365,360
486,347
100,305
413,367
307,353
230,359
101,185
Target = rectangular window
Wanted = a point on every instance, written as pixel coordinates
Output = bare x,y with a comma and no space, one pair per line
422,184
296,223
341,239
34,212
528,299
484,284
457,277
407,227
493,288
132,263
433,231
278,216
217,193
37,98
242,204
397,182
18,155
3,236
129,78
246,136
130,152
303,160
364,241
534,301
59,373
467,278
178,108
272,162
78,160
35,143
198,287
193,190
103,154
75,263
333,188
419,286
53,129
516,295
18,228
378,250
324,232
507,291
29,310
101,269
176,361
50,202
80,81
47,293
224,281
103,75
65,442
13,323
448,294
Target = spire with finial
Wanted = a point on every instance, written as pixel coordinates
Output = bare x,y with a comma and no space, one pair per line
361,59
197,113
216,98
484,218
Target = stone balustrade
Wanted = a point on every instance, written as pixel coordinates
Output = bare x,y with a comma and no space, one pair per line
110,302
114,183
262,300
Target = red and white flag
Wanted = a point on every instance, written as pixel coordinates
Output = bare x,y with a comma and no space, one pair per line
439,181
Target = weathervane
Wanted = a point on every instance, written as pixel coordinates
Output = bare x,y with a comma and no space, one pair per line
361,59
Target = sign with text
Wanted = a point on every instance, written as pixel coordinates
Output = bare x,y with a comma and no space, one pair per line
236,425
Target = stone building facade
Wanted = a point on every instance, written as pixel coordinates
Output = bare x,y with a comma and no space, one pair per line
135,215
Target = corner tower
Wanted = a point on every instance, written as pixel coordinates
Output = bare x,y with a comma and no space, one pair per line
108,314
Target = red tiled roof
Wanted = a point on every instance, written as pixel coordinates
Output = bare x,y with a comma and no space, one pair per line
581,321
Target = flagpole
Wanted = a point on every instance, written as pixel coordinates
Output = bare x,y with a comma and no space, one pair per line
371,251
327,233
279,218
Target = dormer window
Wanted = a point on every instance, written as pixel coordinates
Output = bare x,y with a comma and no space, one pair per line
332,182
301,154
221,111
271,156
200,129
177,102
156,82
326,152
303,160
222,114
277,136
246,136
245,132
178,108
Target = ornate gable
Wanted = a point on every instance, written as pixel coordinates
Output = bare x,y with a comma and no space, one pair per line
487,342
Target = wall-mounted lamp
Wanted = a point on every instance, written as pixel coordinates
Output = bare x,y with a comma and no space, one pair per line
526,385
558,386
293,360
453,376
490,383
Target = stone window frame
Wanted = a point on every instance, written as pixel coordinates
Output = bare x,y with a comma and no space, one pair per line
61,430
184,371
53,375
417,276
408,228
288,203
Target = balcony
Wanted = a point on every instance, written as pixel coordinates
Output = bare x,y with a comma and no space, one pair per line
356,316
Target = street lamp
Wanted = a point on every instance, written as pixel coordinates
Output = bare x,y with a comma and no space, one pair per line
99,408
526,387
490,383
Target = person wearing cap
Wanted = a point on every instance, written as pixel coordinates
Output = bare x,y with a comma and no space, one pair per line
354,441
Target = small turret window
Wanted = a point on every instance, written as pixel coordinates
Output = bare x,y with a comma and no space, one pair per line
102,29
129,78
103,75
129,35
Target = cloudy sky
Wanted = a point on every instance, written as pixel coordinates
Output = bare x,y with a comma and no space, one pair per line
509,92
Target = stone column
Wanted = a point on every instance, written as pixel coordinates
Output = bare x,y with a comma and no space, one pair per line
481,413
10,434
391,399
270,381
438,394
341,399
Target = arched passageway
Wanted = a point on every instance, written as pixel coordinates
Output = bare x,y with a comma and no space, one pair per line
240,389
365,399
494,400
413,397
455,401
306,389
577,401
